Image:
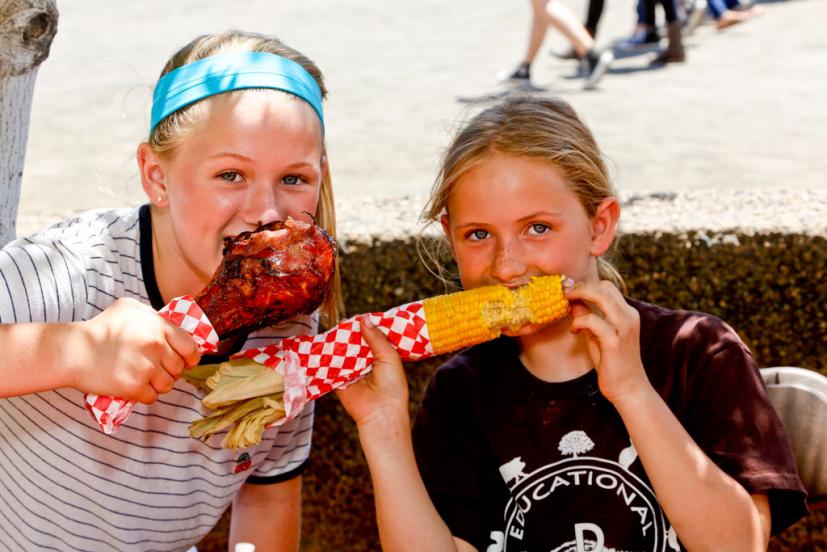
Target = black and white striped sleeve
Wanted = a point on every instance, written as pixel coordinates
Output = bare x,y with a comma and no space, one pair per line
41,280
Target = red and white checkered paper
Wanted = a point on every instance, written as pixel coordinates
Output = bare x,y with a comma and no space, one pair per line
311,365
314,365
184,312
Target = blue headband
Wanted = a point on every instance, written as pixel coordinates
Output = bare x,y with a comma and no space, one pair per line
214,75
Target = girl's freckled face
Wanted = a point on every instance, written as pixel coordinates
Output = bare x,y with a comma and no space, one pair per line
256,157
511,218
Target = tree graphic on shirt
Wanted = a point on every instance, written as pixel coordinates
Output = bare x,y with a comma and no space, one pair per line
574,443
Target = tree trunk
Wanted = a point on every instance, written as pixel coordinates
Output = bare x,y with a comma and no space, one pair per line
27,28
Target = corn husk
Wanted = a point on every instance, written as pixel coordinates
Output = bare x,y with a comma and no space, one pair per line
198,375
247,411
241,379
243,395
250,429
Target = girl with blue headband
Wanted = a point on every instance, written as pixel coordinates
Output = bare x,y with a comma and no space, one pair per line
236,139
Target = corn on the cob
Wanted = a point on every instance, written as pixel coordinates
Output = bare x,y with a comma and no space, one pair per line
249,396
466,318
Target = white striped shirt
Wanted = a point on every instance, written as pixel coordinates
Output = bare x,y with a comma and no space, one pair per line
64,485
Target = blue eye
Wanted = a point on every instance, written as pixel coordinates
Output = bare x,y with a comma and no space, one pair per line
477,234
291,180
538,228
230,176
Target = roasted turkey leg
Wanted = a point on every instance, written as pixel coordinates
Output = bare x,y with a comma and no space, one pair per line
269,275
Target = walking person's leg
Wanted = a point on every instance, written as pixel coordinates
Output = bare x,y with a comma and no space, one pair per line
646,33
563,19
674,52
593,15
539,26
553,12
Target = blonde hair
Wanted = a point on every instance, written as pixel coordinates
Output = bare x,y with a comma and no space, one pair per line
547,129
170,131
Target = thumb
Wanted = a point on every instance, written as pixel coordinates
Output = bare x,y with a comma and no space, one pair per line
379,345
388,375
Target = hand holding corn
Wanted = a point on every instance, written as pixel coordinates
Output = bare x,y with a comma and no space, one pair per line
269,385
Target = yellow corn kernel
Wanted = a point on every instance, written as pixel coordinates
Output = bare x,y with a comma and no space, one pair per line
544,299
466,318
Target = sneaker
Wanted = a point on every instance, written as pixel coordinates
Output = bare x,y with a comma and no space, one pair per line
599,62
696,17
641,39
565,54
519,78
583,68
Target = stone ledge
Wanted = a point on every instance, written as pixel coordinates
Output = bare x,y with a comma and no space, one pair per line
363,219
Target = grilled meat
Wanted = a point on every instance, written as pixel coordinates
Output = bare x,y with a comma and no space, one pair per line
269,275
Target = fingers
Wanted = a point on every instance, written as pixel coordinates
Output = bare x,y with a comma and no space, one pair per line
158,377
143,390
604,332
161,381
387,370
147,396
599,309
607,298
178,353
173,364
183,345
578,308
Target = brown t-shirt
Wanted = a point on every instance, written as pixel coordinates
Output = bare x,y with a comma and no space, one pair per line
515,463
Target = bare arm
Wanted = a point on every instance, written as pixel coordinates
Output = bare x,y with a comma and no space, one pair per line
707,508
268,516
379,405
127,351
398,488
40,356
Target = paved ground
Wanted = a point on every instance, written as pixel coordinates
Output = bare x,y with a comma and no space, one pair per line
747,111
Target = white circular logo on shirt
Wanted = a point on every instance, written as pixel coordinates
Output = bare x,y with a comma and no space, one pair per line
580,504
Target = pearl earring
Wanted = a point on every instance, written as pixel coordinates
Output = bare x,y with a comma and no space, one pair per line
160,199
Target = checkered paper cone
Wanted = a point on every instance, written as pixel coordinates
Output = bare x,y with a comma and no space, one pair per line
315,365
417,330
311,366
184,312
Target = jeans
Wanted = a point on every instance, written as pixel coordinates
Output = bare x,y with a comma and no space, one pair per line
718,7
